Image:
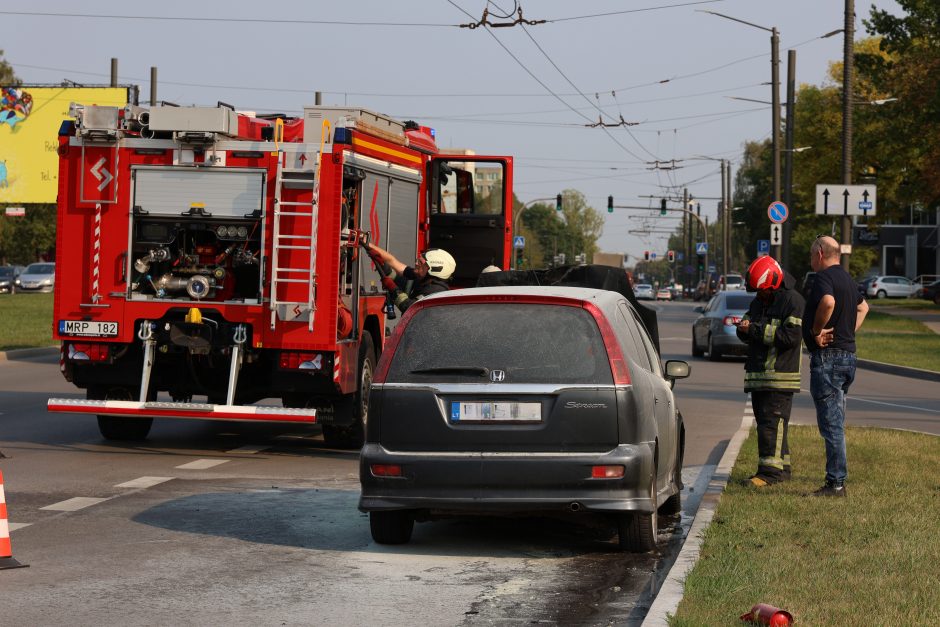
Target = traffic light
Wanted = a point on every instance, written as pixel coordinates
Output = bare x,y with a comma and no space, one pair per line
610,204
646,255
662,206
701,266
558,202
671,256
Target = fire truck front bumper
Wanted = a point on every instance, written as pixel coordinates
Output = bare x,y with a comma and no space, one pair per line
198,411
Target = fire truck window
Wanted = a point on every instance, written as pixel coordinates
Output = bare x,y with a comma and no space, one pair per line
471,187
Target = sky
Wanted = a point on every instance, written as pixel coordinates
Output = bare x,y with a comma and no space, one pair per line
665,67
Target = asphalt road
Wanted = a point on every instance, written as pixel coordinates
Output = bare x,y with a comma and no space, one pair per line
208,523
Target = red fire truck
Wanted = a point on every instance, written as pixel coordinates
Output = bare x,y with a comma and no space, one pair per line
208,260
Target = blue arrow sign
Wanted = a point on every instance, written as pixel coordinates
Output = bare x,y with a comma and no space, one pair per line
518,241
701,248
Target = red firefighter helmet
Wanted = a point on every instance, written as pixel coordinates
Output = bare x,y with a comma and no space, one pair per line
764,274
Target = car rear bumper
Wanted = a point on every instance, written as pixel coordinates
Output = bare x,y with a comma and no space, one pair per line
729,344
502,482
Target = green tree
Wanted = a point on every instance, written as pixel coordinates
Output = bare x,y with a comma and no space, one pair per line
572,231
7,75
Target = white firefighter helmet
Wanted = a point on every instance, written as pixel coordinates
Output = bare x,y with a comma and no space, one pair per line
440,263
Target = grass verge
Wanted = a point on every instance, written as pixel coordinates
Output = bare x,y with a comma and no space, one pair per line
25,321
898,340
903,303
868,559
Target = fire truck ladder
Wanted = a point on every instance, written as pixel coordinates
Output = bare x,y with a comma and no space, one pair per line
284,241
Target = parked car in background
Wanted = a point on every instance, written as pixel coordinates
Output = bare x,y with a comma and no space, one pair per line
891,286
931,292
37,277
863,285
715,330
544,400
8,277
664,293
644,291
730,282
705,289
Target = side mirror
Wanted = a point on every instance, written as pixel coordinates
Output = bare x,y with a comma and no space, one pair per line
699,309
676,369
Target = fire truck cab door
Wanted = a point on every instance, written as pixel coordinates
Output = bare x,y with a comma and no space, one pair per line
470,212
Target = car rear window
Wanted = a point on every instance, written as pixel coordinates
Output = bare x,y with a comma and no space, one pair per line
530,343
734,280
739,301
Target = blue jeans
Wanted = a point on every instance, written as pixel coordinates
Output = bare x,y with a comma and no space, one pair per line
831,373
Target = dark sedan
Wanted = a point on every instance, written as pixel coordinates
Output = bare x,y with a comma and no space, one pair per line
522,400
714,331
931,292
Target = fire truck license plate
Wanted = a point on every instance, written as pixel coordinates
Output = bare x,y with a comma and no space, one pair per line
88,328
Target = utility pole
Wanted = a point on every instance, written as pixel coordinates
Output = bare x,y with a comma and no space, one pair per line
788,168
847,89
114,72
775,105
728,224
688,224
724,220
153,86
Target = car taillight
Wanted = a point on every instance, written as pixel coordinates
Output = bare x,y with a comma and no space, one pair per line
300,360
385,470
730,321
91,351
618,365
606,472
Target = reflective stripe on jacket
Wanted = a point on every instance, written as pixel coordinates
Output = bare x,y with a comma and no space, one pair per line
774,341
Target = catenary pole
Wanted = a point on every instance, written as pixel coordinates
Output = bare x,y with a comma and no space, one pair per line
847,89
788,167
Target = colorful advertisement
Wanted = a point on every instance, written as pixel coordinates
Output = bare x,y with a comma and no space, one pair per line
30,118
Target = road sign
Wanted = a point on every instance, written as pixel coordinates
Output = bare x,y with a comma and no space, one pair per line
701,248
763,247
17,212
778,212
652,256
680,256
712,268
846,200
518,241
776,234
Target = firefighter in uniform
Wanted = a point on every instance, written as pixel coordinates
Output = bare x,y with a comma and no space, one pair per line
772,330
430,274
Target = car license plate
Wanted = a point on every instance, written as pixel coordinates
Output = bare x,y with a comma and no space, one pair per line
490,411
88,328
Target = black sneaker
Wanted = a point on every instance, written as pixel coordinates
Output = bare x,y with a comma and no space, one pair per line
830,489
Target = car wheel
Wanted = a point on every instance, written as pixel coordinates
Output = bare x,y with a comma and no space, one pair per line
936,298
696,351
881,294
354,409
120,428
391,527
637,531
713,353
672,506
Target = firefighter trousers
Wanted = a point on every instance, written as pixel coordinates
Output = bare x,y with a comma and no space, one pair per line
772,413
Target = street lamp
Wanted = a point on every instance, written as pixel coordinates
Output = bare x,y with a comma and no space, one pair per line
775,94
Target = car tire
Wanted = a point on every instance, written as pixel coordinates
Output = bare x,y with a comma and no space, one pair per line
672,506
713,353
119,428
637,531
881,294
391,527
696,351
354,409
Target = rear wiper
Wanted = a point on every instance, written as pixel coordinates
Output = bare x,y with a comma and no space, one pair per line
453,370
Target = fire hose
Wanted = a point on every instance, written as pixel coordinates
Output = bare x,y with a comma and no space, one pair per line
391,288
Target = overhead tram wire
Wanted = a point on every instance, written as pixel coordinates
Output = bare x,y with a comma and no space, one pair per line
539,81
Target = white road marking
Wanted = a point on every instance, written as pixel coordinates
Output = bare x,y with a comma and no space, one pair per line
74,504
143,482
871,400
249,448
14,526
202,464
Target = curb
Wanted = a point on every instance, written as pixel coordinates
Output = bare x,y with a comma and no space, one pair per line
901,371
28,353
670,594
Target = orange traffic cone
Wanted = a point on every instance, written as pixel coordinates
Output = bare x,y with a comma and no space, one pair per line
6,549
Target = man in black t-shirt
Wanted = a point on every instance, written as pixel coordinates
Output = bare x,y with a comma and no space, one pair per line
834,311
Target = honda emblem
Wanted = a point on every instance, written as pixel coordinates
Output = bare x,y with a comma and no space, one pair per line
497,376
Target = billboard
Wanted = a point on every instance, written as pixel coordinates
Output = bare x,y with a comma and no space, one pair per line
30,118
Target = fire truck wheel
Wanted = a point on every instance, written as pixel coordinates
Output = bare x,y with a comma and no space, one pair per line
353,410
119,427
